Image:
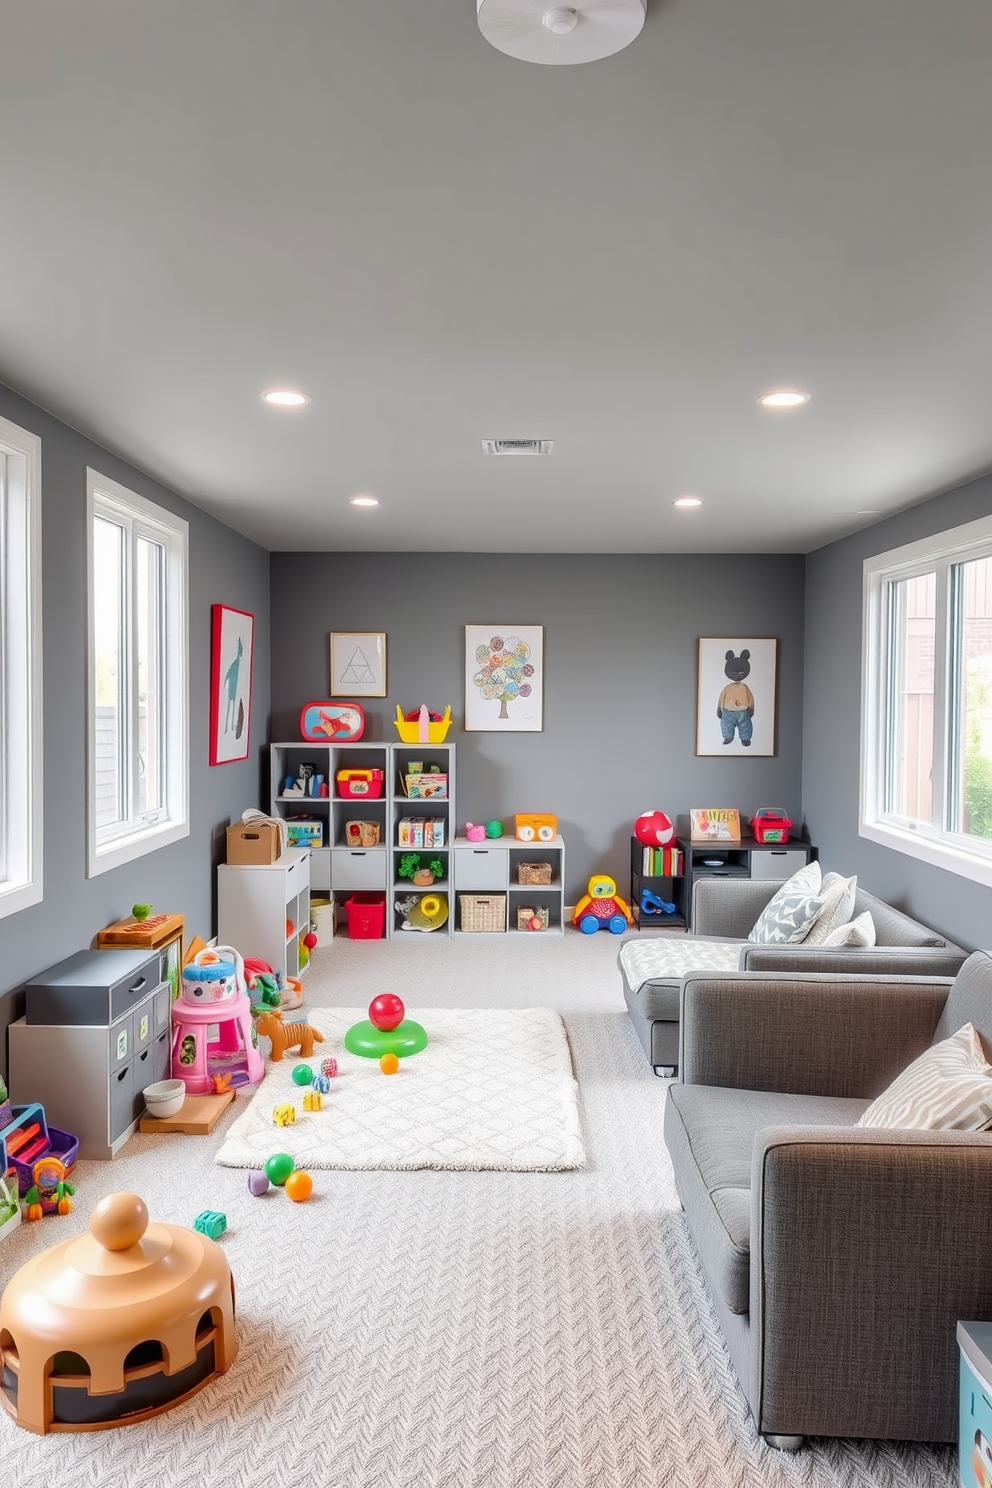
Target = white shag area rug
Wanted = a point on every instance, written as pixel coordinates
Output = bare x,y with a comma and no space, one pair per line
493,1090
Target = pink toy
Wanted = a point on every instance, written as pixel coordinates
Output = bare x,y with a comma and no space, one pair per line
214,994
475,832
654,829
329,1067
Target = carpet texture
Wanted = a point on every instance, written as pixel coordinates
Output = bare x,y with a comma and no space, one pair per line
457,1330
493,1090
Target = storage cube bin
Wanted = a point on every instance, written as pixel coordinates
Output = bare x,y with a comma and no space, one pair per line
482,913
366,916
534,873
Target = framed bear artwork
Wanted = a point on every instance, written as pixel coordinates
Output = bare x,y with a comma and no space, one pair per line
735,695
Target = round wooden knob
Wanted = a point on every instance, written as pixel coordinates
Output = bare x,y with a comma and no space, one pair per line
119,1221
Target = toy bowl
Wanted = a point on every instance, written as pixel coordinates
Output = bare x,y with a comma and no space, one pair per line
165,1097
409,730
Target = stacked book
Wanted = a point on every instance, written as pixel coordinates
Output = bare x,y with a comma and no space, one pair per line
662,862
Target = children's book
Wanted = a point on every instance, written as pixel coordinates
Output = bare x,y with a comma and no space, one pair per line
715,823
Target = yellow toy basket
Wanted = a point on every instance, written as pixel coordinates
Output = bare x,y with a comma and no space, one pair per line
409,728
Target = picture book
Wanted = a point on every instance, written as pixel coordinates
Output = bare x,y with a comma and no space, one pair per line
715,823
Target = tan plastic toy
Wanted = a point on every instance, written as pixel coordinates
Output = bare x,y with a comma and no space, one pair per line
287,1035
116,1325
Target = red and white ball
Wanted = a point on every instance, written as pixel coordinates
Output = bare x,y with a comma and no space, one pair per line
654,829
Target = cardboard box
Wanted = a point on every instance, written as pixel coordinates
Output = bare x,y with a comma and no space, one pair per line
249,843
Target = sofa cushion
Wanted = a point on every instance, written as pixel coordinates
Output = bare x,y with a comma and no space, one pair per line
709,1131
948,1088
838,894
791,911
857,932
654,968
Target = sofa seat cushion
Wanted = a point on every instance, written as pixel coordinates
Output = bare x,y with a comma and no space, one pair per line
653,968
710,1133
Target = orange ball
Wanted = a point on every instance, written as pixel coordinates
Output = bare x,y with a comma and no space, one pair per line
389,1064
299,1186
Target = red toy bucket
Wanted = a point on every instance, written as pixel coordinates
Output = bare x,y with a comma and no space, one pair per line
770,824
366,916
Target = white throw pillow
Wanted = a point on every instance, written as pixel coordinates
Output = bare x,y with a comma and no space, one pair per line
859,932
838,894
949,1088
788,915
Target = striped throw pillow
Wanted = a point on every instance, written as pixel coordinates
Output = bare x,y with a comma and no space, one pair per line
949,1088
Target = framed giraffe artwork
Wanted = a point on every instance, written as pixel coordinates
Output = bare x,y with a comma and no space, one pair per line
231,640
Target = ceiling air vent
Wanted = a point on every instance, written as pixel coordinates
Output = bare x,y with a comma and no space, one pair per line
517,446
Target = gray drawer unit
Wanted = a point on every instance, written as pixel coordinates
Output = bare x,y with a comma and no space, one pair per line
776,864
481,868
90,1077
92,986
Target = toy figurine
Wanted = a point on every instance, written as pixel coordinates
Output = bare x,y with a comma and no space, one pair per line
285,1036
602,908
49,1193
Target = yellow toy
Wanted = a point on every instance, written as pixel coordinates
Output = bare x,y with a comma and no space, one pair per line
284,1114
602,908
313,1101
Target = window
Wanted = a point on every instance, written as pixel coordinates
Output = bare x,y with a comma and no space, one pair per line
138,755
926,776
20,669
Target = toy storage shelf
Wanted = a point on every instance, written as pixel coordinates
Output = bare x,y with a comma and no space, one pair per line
746,858
673,890
434,809
492,867
255,901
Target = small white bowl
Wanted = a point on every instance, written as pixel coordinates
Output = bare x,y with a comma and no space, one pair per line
165,1097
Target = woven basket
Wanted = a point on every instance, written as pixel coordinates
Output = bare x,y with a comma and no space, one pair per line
534,873
526,913
481,913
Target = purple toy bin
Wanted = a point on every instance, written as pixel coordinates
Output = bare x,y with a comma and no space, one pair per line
46,1141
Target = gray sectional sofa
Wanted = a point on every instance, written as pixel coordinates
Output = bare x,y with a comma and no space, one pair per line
839,1259
723,910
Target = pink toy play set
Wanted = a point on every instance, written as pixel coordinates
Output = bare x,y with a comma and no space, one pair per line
214,997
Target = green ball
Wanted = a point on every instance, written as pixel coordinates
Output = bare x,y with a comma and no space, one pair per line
279,1167
302,1074
494,829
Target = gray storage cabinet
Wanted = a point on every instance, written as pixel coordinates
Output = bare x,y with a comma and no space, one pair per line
96,1031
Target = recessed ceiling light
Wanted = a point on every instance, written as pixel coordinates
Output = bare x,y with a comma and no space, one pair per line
364,500
783,398
867,511
687,501
285,398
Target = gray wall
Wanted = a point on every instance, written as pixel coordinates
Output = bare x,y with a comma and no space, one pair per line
958,907
224,567
620,651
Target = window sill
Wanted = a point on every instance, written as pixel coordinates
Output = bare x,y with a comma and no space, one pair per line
927,850
15,897
126,849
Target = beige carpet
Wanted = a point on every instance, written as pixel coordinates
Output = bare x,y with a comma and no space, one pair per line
458,1330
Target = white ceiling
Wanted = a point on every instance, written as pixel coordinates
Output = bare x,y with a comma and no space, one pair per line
362,198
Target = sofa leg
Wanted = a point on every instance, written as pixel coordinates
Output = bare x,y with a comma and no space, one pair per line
785,1443
665,1071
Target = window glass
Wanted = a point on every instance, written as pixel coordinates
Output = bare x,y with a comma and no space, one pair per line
150,633
911,754
109,663
973,734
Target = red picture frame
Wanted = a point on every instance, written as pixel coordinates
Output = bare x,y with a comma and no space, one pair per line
232,638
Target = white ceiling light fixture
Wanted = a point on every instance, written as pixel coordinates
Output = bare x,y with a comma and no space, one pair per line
363,500
560,35
285,398
687,502
784,398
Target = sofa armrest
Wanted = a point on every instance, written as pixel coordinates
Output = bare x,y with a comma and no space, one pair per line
811,1034
871,961
728,907
867,1246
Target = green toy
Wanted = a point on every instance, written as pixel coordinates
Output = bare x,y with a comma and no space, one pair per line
141,911
302,1074
278,1168
494,829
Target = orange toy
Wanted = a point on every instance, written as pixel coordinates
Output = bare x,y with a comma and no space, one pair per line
389,1064
116,1325
299,1186
287,1035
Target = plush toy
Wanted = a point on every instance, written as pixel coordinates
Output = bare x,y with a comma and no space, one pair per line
602,908
735,708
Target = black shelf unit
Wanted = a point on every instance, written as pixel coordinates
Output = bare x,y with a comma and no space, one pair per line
671,889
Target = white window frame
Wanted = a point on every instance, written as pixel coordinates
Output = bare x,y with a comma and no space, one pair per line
105,497
932,842
21,760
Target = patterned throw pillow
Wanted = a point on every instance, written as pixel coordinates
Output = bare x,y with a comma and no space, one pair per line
786,918
838,894
859,932
949,1088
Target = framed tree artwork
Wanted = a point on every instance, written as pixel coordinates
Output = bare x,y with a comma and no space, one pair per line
231,641
735,695
504,678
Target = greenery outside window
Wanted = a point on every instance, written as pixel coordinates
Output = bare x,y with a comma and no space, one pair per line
138,785
926,767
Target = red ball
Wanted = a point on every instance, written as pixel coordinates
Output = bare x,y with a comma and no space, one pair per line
654,829
386,1011
309,940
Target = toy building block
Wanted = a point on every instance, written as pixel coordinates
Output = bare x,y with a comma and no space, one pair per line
211,1223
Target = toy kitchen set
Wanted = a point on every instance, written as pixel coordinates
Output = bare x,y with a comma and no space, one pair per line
96,1031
